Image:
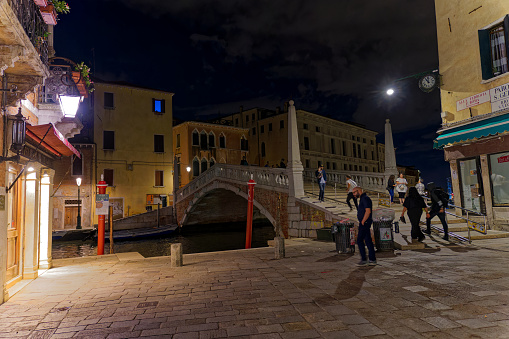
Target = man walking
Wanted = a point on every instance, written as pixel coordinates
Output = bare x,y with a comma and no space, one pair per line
321,177
439,202
365,220
350,185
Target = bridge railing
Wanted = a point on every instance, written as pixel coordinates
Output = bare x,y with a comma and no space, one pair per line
273,178
367,180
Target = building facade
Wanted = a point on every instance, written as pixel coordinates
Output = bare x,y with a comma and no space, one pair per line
473,48
134,153
198,146
335,144
27,168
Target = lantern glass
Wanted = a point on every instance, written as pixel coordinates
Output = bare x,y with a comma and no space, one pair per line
18,132
69,105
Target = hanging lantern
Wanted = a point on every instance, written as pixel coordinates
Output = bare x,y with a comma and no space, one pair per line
18,132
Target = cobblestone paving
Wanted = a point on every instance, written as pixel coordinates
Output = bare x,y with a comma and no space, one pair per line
448,291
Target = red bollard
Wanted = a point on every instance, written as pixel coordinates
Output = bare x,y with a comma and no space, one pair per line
100,225
250,199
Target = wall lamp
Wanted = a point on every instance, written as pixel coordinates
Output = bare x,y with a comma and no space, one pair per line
18,136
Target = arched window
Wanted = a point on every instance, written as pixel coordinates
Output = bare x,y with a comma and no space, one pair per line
263,149
222,141
212,162
196,138
203,140
212,140
196,167
203,165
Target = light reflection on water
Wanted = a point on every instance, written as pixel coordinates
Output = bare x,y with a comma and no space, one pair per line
194,239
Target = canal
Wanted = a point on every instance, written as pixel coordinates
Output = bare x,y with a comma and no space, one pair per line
194,239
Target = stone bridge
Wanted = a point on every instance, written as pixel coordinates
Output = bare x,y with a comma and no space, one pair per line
220,194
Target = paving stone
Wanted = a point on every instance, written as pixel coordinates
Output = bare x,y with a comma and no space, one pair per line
475,323
441,322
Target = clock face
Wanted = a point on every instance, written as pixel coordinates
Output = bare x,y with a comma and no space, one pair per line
428,83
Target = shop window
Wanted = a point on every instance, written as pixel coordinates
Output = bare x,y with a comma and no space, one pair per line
499,175
470,185
108,176
108,140
109,100
77,166
159,178
493,49
158,106
159,143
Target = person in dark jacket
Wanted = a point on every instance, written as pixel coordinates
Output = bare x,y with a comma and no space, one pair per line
413,205
321,178
364,215
439,202
390,187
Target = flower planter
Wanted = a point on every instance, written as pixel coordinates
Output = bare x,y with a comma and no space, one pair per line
80,83
42,3
49,14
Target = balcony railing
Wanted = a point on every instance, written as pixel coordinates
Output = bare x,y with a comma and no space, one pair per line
31,20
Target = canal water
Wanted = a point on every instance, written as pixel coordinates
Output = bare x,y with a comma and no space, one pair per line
194,239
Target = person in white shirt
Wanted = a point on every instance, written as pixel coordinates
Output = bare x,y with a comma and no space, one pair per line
401,188
421,188
350,185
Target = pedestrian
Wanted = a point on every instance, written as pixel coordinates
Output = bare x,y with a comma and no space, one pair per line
413,205
267,164
401,188
365,220
390,187
439,202
420,188
350,185
243,162
282,163
321,178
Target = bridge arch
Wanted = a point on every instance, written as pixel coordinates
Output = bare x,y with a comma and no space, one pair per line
222,185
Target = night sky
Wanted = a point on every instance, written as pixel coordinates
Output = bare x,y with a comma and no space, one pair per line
334,58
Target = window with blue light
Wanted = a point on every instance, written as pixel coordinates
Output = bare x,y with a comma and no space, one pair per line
158,106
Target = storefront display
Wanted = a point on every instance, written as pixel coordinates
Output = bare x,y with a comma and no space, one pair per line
470,189
499,172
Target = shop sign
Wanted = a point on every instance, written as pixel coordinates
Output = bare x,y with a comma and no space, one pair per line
477,226
474,100
102,204
153,199
499,97
503,159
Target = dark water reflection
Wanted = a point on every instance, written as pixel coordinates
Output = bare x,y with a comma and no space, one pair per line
194,239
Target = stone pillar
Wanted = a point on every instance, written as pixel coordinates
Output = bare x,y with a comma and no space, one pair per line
31,223
279,247
390,153
488,196
295,169
46,223
176,255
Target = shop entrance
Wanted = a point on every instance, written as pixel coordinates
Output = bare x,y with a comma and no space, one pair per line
471,185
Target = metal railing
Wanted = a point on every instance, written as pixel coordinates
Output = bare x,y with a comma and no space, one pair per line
30,18
369,181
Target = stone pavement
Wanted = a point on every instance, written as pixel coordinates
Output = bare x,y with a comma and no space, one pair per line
445,291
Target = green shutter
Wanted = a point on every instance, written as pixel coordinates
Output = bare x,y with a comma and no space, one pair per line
484,49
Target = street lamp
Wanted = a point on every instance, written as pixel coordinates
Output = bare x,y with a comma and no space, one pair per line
18,136
69,104
390,91
78,220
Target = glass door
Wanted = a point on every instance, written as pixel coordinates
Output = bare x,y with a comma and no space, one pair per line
471,189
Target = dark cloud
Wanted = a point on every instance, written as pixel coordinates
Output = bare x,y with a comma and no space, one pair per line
335,58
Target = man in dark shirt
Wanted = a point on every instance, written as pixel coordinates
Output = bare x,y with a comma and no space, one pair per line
365,220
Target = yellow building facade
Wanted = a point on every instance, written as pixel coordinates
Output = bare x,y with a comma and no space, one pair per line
337,145
473,63
198,146
133,137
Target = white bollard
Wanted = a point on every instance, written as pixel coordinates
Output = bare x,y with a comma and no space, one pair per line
176,255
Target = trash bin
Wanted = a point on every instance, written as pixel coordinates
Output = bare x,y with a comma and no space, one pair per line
384,238
344,237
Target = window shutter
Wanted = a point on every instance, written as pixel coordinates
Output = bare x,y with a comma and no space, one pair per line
163,107
506,34
484,49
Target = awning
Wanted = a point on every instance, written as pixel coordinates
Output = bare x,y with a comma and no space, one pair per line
54,141
473,131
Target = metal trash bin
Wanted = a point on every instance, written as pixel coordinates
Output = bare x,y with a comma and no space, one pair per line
344,237
384,237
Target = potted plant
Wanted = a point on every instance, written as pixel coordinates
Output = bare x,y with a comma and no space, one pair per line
49,14
81,76
61,6
42,3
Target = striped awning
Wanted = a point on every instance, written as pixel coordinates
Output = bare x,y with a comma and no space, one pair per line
471,132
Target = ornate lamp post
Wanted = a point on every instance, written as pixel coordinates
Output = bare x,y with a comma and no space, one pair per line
78,221
18,136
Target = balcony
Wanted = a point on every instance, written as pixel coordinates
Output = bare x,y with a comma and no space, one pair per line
23,47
